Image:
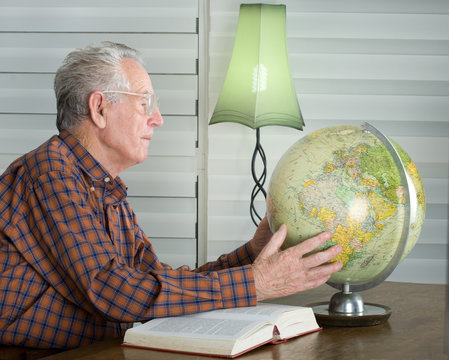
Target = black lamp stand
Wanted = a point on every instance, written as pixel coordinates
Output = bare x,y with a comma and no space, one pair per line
260,181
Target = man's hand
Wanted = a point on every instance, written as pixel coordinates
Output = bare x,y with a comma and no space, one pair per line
280,273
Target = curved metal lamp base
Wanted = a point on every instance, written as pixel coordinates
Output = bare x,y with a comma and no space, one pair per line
259,180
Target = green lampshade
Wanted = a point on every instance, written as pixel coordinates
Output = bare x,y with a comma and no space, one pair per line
258,89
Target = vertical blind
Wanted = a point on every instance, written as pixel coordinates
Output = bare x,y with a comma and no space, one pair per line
34,39
385,62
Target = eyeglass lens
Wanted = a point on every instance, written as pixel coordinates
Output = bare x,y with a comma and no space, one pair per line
152,101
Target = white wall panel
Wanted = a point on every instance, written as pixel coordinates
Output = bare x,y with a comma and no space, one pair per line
44,52
373,107
164,183
429,271
352,6
99,16
434,232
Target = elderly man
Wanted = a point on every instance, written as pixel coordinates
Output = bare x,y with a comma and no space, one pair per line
75,266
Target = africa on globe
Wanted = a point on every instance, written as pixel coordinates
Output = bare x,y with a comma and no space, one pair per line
344,179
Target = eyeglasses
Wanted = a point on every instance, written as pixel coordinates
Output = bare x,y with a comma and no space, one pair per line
152,99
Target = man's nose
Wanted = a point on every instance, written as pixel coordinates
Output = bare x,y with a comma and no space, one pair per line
156,118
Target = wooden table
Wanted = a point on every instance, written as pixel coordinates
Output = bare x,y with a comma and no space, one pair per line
415,330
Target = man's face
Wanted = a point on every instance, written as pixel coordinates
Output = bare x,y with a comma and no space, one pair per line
129,129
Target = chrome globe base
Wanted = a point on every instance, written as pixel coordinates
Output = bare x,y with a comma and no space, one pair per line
347,308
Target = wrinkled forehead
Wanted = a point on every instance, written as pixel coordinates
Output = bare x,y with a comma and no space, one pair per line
138,78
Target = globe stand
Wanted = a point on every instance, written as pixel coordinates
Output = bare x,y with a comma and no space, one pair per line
347,307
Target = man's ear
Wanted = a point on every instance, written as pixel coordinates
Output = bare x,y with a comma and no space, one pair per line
97,103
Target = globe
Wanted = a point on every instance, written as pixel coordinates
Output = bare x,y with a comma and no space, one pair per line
345,179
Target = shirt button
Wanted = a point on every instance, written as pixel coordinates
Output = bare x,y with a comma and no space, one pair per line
92,189
107,179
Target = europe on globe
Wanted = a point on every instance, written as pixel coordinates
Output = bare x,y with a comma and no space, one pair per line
344,179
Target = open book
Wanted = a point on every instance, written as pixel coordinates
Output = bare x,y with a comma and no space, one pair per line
224,332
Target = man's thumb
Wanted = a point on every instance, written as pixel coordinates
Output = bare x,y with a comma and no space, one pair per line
276,240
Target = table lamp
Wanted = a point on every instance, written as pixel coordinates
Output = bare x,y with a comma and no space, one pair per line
258,89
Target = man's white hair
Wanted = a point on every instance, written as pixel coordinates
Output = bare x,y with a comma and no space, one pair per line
85,71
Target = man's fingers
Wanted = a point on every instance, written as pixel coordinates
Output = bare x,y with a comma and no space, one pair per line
321,257
312,284
311,244
318,275
324,270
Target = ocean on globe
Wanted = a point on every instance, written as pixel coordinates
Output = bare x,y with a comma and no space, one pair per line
343,179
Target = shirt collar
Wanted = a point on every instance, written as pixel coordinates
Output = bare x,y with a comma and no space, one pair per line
84,159
88,163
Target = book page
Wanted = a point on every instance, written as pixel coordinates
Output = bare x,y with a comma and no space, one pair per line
225,323
262,312
296,322
194,327
199,335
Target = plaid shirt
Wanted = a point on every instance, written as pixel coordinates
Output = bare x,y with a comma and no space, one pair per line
75,267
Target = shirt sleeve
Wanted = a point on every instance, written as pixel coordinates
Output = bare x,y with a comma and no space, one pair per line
239,257
78,258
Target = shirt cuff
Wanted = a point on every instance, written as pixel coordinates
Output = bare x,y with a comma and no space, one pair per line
241,256
237,286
